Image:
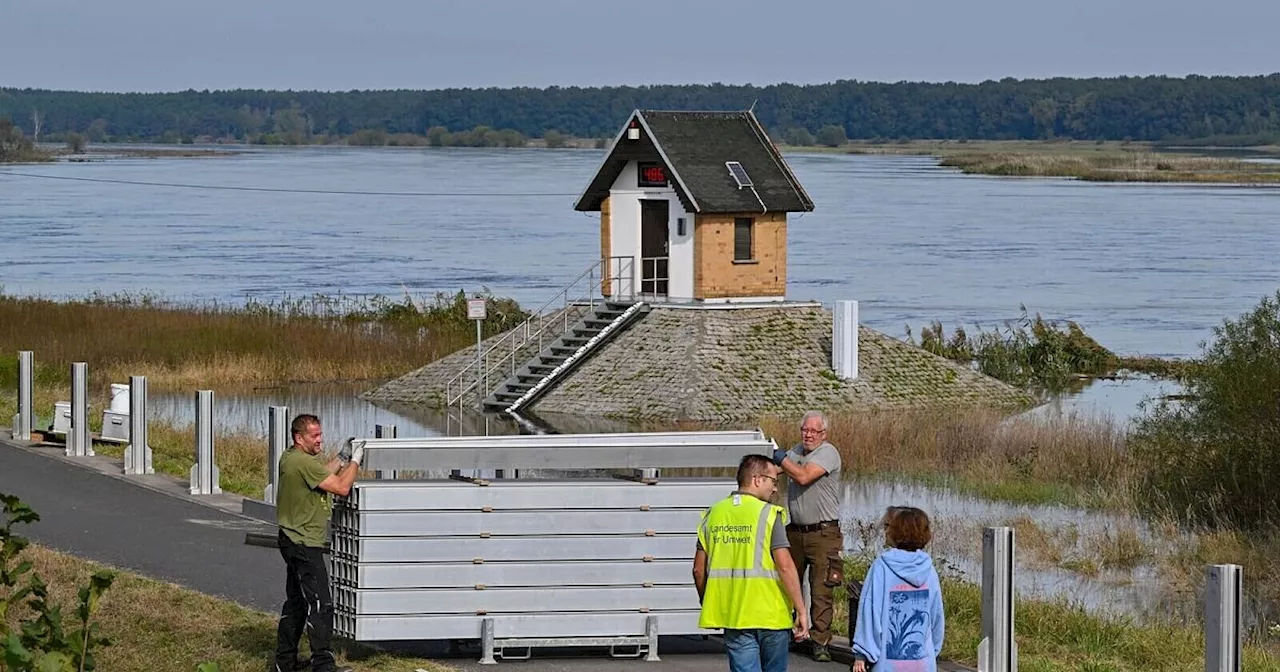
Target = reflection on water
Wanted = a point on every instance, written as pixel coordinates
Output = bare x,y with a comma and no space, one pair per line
1119,400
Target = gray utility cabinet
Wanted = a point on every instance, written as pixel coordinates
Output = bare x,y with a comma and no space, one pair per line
519,564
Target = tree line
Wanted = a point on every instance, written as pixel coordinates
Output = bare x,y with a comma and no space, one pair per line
1120,108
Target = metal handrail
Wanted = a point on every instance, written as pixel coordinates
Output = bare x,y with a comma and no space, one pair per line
502,353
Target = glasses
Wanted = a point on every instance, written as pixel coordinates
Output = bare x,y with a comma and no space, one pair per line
812,431
772,478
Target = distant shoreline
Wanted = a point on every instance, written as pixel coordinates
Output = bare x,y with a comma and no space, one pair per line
1109,161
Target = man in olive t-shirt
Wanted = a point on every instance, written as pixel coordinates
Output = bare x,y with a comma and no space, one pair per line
304,499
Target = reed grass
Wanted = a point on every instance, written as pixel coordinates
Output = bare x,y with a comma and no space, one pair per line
1116,167
1059,460
222,347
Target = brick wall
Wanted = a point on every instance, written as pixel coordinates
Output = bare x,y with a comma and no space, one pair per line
716,275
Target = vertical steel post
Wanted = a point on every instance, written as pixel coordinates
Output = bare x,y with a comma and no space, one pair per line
651,634
1222,618
486,642
26,375
844,340
479,365
137,456
384,432
78,443
204,473
997,652
278,440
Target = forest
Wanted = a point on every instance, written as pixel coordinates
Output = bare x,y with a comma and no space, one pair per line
1237,110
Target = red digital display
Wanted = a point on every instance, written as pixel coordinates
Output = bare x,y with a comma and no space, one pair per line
652,175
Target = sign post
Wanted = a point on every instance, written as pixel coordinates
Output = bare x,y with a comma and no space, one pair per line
476,311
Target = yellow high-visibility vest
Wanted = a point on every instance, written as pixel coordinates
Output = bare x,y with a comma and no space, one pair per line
742,590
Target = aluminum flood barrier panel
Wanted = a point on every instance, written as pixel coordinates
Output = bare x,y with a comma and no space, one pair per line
566,452
520,563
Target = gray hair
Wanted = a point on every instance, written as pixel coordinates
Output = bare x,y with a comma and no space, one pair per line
815,414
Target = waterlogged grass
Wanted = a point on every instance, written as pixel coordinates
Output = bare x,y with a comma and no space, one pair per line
1058,636
160,626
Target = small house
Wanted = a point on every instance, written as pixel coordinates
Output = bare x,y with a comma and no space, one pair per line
693,208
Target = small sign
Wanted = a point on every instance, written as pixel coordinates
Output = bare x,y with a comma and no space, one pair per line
475,309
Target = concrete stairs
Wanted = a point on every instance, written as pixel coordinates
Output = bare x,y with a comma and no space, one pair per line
547,368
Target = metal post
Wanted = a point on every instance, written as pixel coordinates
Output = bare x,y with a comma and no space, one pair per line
486,642
78,443
26,374
479,364
997,652
278,441
137,456
1222,618
651,633
384,432
204,473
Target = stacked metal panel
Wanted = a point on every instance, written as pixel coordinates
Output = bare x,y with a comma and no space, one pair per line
543,559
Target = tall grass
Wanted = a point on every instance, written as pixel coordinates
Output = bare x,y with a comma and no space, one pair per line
1064,460
313,339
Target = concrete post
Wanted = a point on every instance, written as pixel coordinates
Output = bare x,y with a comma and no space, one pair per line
384,432
997,652
78,441
204,473
1222,618
844,340
26,376
278,441
137,456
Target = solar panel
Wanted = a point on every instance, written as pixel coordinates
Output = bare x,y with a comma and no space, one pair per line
739,173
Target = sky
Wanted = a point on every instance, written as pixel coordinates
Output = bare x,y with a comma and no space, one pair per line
163,45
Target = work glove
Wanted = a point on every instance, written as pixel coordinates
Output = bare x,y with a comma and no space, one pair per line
344,453
778,455
357,453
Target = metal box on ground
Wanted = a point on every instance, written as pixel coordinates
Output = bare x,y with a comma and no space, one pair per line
61,417
115,427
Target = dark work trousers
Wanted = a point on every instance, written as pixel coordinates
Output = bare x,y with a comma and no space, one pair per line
308,603
817,548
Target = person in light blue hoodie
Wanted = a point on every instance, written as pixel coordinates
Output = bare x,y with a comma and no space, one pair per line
900,622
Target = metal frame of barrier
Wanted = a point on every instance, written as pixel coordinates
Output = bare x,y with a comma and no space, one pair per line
137,456
23,421
1223,618
997,651
205,479
278,440
79,443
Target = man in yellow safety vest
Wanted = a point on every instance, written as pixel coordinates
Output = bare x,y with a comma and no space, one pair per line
746,579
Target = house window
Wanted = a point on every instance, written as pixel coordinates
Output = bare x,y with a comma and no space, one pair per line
742,230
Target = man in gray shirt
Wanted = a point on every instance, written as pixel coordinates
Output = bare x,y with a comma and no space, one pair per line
813,502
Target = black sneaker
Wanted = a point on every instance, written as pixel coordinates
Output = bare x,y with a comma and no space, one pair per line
820,653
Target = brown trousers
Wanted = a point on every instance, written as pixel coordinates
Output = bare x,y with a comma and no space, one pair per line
818,552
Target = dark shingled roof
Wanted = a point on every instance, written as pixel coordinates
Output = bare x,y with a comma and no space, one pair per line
695,147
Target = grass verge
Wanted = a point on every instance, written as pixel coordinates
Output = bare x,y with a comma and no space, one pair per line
160,626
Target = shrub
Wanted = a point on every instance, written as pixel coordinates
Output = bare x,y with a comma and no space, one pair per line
1210,456
40,642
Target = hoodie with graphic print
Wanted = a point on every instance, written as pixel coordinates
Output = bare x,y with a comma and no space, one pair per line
900,620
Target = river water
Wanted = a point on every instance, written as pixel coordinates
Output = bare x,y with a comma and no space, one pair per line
1146,269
